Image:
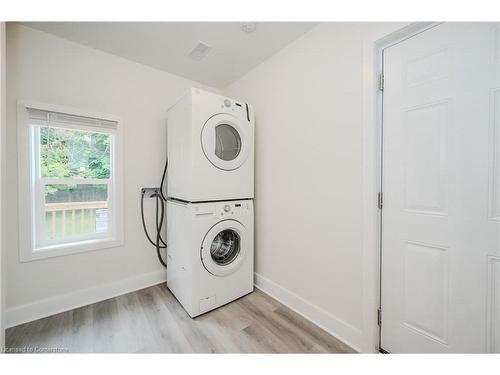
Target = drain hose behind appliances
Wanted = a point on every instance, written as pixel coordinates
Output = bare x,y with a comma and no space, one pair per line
159,243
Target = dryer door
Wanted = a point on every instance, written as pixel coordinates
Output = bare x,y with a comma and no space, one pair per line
225,141
224,248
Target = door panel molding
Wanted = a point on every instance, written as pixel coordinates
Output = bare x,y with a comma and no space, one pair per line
494,157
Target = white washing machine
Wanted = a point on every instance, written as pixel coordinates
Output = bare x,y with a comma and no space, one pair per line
210,146
210,258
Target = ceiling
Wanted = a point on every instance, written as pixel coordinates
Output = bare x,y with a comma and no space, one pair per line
167,45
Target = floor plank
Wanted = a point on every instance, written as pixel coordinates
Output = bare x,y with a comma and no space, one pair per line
151,320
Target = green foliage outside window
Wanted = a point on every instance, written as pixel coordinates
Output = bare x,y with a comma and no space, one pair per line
67,153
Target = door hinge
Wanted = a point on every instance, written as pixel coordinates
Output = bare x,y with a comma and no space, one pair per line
381,82
380,200
379,316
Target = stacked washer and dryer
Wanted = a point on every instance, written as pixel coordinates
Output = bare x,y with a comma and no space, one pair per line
210,189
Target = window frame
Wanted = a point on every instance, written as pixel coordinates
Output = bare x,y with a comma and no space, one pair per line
31,198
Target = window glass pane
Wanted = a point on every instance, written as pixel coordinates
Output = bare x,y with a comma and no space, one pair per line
227,142
74,153
75,210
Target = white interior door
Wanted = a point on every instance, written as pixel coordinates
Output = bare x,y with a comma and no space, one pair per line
441,183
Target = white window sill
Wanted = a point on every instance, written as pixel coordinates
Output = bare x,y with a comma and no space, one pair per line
69,248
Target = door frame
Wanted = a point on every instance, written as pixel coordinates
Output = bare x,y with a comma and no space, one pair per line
386,36
2,177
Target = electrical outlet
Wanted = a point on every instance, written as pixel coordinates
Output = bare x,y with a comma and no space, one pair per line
150,192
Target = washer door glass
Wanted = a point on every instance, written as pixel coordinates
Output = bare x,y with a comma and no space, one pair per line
227,142
225,247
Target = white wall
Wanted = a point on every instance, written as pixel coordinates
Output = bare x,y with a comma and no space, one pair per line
48,69
308,100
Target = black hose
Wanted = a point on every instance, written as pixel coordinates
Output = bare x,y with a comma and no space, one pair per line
144,223
163,180
160,198
159,224
158,233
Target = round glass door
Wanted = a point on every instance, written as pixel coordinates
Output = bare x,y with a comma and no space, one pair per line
227,142
224,247
224,141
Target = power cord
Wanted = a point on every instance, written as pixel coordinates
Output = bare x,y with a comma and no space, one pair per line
160,202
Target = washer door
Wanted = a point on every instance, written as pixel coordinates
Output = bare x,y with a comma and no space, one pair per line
224,248
225,141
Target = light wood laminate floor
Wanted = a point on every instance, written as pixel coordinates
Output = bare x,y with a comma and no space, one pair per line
152,320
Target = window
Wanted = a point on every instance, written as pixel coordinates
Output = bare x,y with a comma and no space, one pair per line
68,194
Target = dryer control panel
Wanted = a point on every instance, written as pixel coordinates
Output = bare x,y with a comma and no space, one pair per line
240,108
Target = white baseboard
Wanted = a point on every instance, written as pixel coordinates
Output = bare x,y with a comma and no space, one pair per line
54,305
343,331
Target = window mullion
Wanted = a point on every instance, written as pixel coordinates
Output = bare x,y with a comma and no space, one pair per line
75,181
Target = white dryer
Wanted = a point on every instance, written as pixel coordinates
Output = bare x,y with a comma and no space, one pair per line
210,147
210,258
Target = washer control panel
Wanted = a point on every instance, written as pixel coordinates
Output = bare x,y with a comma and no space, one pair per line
232,208
222,209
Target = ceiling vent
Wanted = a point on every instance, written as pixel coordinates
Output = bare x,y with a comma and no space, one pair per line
248,27
199,51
